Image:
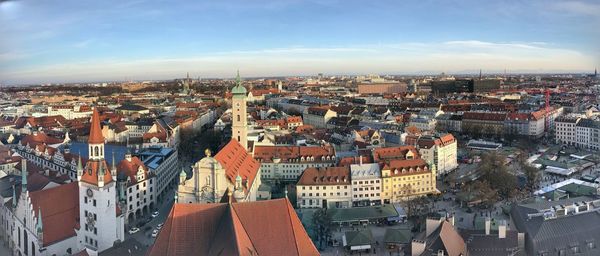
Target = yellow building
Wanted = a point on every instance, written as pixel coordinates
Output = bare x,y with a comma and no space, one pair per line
405,178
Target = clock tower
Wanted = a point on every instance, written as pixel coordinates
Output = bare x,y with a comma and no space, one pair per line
100,219
239,126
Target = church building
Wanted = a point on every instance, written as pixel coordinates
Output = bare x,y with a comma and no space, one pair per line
232,172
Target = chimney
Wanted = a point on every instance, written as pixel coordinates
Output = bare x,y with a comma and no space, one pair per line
502,229
417,247
360,159
488,225
440,252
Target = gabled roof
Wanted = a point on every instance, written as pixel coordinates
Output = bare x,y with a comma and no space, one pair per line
236,160
251,228
128,169
446,238
285,153
380,154
60,211
325,176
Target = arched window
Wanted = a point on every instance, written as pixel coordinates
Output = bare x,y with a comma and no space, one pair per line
96,151
238,118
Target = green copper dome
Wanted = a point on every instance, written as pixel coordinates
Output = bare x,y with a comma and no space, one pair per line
238,89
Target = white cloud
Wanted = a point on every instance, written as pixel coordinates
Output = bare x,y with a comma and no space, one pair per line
451,56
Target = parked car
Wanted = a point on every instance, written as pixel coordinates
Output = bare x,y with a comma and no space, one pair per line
134,230
159,226
155,214
155,233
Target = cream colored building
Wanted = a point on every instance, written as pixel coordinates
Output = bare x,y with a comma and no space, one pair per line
318,116
403,179
328,187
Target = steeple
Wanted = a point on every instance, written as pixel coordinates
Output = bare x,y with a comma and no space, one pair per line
239,90
95,129
14,198
39,226
113,170
79,167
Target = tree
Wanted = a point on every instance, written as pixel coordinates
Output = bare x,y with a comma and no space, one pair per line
532,174
494,171
322,222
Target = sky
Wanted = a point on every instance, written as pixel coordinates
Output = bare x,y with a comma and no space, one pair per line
54,41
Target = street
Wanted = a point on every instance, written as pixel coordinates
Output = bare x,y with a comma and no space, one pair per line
144,236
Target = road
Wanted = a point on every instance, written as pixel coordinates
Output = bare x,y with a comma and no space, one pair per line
144,236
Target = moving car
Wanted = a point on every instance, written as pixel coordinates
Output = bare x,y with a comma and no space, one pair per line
155,233
134,230
155,214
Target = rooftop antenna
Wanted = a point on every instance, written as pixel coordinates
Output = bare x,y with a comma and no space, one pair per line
479,74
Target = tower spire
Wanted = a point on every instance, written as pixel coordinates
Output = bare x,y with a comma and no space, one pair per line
23,178
14,198
39,226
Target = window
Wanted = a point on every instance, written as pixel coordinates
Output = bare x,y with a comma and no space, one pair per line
85,199
94,202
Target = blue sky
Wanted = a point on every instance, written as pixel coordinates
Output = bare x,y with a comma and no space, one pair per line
80,40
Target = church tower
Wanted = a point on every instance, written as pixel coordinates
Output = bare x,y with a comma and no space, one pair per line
100,218
239,125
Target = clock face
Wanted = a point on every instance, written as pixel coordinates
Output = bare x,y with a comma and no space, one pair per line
89,193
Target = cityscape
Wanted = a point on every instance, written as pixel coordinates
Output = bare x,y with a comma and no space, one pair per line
299,127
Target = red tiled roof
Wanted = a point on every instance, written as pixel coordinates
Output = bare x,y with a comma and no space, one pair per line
325,176
236,160
130,168
380,154
487,116
293,119
285,153
347,161
60,211
406,164
233,229
91,171
95,130
39,138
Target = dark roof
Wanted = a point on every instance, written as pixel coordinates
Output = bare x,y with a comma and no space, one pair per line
131,107
480,244
562,232
361,237
397,236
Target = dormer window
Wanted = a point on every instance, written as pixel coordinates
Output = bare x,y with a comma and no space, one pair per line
140,174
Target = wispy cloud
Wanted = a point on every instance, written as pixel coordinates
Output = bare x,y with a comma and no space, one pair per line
450,56
84,43
578,7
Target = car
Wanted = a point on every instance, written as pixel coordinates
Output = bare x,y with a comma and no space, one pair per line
134,230
155,214
155,233
159,226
